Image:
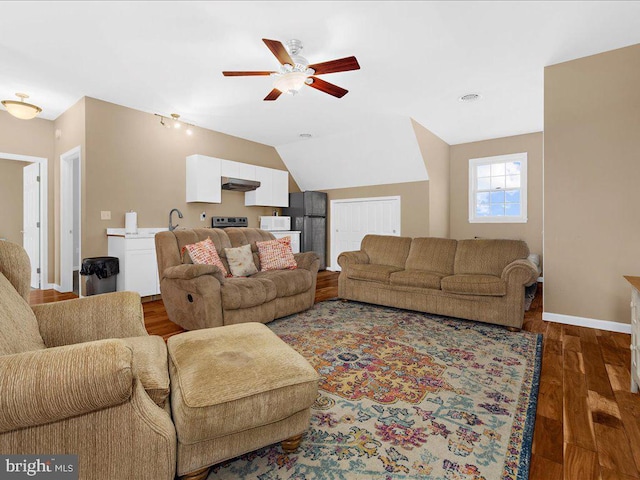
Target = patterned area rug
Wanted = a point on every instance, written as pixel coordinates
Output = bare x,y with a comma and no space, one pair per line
406,395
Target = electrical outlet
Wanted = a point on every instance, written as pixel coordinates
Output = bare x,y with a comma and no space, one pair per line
105,215
203,215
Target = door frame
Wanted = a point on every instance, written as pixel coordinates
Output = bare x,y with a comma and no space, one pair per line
44,212
333,203
66,214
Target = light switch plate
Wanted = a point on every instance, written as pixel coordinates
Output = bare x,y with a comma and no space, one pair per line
105,215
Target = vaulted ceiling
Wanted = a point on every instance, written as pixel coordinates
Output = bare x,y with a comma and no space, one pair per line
416,59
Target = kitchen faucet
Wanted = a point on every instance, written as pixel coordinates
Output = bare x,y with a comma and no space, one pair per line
171,226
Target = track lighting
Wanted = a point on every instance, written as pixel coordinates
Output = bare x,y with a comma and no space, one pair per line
173,121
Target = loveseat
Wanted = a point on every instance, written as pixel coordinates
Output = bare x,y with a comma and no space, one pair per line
201,296
480,279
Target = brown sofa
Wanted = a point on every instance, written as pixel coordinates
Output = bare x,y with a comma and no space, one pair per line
199,296
474,279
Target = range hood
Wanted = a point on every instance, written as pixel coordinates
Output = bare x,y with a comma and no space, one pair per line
238,184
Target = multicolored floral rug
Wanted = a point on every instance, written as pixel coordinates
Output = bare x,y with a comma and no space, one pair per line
406,395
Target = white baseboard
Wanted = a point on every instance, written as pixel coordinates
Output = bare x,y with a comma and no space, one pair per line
56,287
587,322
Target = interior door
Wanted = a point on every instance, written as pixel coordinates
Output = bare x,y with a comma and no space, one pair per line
31,219
352,219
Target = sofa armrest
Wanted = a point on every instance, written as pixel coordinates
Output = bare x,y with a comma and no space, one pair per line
98,317
49,385
350,258
520,272
189,271
307,261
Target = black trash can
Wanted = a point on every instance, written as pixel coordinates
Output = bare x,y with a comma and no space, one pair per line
102,273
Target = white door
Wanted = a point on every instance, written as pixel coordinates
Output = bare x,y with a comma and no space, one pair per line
69,217
31,219
352,219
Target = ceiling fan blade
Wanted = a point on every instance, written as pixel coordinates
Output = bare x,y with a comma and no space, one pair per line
334,66
279,51
245,74
273,94
327,87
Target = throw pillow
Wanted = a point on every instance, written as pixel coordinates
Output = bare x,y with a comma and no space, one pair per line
240,261
276,254
205,253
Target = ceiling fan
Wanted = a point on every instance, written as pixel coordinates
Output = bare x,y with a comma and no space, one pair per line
295,71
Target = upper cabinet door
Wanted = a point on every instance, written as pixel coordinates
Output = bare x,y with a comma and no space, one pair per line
273,190
232,169
280,188
203,179
262,195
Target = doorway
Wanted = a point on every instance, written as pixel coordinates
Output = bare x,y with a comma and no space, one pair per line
31,219
352,219
70,229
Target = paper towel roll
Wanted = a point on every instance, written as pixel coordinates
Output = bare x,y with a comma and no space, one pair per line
131,222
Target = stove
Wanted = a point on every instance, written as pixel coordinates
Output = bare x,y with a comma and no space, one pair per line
224,222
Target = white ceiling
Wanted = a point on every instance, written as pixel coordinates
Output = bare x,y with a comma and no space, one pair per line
417,58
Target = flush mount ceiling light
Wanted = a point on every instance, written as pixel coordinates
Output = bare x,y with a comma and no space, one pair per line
173,121
470,97
21,109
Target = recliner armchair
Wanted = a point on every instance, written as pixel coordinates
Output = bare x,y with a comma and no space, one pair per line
82,377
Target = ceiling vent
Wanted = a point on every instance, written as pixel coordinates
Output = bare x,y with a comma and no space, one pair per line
470,97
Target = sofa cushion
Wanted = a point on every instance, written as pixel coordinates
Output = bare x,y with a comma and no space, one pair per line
487,256
386,250
288,282
371,273
432,254
416,278
246,292
18,325
474,285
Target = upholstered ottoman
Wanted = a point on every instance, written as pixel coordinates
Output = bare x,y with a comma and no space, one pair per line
235,389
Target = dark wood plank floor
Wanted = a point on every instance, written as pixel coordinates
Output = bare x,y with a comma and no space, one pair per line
587,422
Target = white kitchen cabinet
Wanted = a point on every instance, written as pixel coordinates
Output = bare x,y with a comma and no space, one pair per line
138,264
273,190
233,169
203,179
279,188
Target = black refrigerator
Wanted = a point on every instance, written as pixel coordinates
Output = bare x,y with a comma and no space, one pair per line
308,212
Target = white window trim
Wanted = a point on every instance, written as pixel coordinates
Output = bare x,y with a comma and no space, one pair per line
512,157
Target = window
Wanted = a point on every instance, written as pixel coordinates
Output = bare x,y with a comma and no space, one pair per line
498,189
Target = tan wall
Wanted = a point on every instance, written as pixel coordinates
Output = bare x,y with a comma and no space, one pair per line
435,153
33,138
11,200
70,133
592,167
531,232
132,163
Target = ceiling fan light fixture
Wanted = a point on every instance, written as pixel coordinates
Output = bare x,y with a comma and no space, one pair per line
290,82
21,109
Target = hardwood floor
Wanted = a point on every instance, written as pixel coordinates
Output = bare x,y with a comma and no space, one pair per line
587,422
